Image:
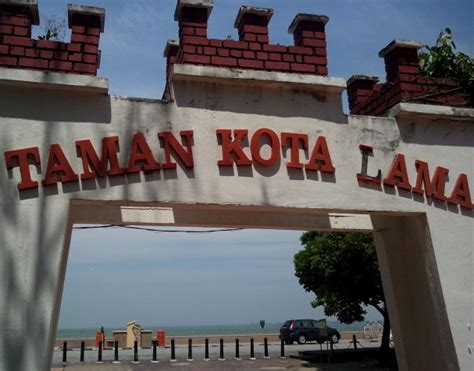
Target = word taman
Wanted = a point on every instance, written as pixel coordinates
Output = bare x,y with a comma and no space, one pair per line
232,143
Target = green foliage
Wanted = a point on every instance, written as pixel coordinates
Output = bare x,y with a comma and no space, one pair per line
441,60
342,270
50,35
54,29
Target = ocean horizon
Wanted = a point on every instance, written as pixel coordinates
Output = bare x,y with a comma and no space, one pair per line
194,330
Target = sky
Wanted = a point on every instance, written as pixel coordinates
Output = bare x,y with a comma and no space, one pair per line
115,276
180,279
136,32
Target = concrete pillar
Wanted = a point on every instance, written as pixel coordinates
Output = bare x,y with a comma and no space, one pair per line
413,293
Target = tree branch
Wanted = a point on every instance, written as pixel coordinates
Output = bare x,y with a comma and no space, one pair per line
376,306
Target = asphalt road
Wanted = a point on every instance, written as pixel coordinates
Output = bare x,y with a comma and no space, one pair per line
271,364
182,362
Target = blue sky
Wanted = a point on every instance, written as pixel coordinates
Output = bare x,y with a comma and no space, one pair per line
172,279
136,32
233,277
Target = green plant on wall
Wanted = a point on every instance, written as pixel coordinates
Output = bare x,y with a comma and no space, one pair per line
441,60
54,29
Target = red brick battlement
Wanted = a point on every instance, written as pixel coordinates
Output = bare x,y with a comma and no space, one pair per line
404,84
252,50
19,50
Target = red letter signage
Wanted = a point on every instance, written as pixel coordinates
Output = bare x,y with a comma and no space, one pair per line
171,143
57,165
264,148
461,194
320,158
141,152
363,176
397,175
274,146
295,139
92,166
22,157
231,149
433,188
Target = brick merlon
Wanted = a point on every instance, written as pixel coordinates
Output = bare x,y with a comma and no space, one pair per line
263,14
304,17
88,16
197,4
29,6
357,78
171,48
399,43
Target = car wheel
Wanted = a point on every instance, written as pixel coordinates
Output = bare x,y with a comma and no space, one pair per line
302,339
288,342
334,338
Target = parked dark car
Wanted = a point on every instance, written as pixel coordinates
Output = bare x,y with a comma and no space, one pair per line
303,330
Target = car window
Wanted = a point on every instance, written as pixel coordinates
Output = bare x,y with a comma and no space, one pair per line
308,323
300,324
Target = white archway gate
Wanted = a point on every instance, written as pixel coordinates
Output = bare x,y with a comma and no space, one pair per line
244,149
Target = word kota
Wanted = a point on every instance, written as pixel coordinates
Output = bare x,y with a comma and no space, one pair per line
232,150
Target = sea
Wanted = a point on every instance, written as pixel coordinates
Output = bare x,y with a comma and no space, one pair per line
241,329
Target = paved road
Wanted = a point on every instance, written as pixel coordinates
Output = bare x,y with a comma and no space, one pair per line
163,356
271,364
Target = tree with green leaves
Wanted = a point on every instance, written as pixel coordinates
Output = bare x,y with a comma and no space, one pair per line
440,60
341,269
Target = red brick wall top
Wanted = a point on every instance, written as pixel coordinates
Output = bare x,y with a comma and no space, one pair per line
252,50
404,84
18,50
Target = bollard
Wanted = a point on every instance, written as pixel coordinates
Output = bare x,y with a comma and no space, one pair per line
252,350
190,350
321,353
135,352
206,349
99,353
173,354
265,348
354,340
221,350
282,349
154,359
65,352
116,359
331,348
237,350
83,345
328,355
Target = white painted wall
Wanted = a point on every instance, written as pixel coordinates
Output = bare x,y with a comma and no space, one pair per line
436,240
